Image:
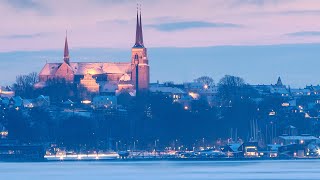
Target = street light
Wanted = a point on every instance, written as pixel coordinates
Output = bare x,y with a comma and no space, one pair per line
203,142
155,143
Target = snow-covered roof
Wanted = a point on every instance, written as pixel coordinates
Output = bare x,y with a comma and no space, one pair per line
300,90
262,86
314,88
46,98
125,77
163,89
109,87
17,100
81,68
193,85
50,69
101,68
298,137
5,88
279,90
27,102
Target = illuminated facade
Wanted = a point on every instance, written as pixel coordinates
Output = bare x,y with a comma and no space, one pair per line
132,75
90,83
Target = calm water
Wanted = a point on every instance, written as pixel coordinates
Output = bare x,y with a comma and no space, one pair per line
167,170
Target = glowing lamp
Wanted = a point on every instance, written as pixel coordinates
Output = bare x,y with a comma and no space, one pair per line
86,102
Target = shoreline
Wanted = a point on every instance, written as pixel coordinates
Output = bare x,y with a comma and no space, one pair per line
162,159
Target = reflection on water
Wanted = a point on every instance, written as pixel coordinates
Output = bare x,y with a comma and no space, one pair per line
156,170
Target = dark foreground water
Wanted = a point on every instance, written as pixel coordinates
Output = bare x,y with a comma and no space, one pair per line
166,170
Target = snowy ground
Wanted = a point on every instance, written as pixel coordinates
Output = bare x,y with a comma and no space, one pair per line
168,170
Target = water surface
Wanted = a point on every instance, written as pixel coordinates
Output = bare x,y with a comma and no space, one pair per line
166,170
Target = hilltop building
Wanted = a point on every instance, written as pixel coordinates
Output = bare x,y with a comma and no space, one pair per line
274,89
279,82
104,76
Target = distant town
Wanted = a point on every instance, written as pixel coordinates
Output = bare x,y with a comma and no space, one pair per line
108,110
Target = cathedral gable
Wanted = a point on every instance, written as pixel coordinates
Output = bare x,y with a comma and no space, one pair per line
65,72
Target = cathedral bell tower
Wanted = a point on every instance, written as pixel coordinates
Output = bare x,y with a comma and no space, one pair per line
139,60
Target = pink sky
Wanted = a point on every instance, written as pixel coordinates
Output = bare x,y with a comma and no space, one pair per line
41,24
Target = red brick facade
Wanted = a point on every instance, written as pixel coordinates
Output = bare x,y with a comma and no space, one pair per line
139,55
65,72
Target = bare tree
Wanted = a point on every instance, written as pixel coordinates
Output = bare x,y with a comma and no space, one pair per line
205,80
230,87
232,81
24,84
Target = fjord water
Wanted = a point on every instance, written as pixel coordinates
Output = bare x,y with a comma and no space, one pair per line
168,170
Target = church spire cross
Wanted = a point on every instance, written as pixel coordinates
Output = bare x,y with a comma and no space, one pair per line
66,58
137,29
279,82
139,36
140,30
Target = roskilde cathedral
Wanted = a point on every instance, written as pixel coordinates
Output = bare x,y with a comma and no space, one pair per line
104,76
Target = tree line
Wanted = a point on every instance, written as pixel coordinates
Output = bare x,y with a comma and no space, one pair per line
152,119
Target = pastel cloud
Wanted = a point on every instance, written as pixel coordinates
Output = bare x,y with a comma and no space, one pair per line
304,33
22,3
179,23
24,36
175,26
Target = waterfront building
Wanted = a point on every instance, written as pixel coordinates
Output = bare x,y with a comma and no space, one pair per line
13,150
303,139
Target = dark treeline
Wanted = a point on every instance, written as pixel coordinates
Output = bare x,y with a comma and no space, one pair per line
153,119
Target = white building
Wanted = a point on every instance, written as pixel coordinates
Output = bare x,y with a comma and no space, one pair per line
104,102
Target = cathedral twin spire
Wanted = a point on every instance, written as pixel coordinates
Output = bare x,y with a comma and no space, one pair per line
66,57
138,43
139,35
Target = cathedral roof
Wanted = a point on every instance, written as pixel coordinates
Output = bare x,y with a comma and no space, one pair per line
50,69
125,77
101,68
82,68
